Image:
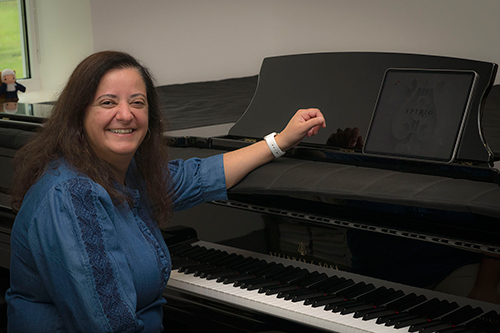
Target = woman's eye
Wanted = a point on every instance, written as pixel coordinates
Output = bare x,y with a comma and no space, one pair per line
107,103
139,103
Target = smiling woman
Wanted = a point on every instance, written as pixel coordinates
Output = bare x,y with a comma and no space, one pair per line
91,190
117,120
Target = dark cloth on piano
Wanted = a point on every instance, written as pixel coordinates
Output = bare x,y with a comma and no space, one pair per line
80,263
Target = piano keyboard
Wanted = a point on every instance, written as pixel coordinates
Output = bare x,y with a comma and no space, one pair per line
322,298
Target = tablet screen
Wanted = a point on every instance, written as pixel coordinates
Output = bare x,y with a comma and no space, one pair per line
420,114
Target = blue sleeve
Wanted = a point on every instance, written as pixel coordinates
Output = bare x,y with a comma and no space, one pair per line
3,88
82,267
196,181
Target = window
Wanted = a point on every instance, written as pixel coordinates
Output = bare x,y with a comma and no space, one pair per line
13,39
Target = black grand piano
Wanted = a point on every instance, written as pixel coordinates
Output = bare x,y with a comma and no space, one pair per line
331,237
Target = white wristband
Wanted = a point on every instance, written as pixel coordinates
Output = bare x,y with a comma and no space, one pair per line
273,146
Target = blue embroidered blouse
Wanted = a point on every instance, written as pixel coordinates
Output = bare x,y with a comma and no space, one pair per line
81,264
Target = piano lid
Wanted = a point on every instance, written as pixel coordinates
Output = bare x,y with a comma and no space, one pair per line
345,87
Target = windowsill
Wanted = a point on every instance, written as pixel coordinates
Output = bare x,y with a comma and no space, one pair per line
39,96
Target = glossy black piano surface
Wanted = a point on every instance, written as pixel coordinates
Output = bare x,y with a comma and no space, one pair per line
328,209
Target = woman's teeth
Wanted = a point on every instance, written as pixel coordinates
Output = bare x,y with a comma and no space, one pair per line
121,131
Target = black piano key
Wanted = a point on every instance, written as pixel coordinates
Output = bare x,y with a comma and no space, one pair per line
292,293
389,298
204,270
405,316
194,269
353,308
303,284
359,291
300,280
236,278
328,283
244,284
279,274
373,294
377,313
222,255
229,260
205,267
216,258
435,327
339,287
183,268
203,252
276,289
462,315
410,322
420,309
343,305
295,278
255,268
248,263
331,305
385,318
267,269
219,276
440,312
256,286
303,297
312,280
427,325
216,274
411,303
227,254
370,309
399,302
207,254
270,271
322,300
179,262
426,312
350,290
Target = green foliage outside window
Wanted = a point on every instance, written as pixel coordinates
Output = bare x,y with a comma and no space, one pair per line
10,38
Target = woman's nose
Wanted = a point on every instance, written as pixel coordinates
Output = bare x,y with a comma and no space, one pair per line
124,113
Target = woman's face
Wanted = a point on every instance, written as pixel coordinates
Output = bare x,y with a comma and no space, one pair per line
116,122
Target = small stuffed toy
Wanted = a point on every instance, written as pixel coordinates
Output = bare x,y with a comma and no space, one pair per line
9,86
9,107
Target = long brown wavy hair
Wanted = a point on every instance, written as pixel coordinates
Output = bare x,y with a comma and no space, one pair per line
63,135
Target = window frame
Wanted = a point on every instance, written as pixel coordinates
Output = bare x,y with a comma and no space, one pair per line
27,11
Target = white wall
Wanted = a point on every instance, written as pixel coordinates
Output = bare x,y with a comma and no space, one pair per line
184,41
60,37
196,40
